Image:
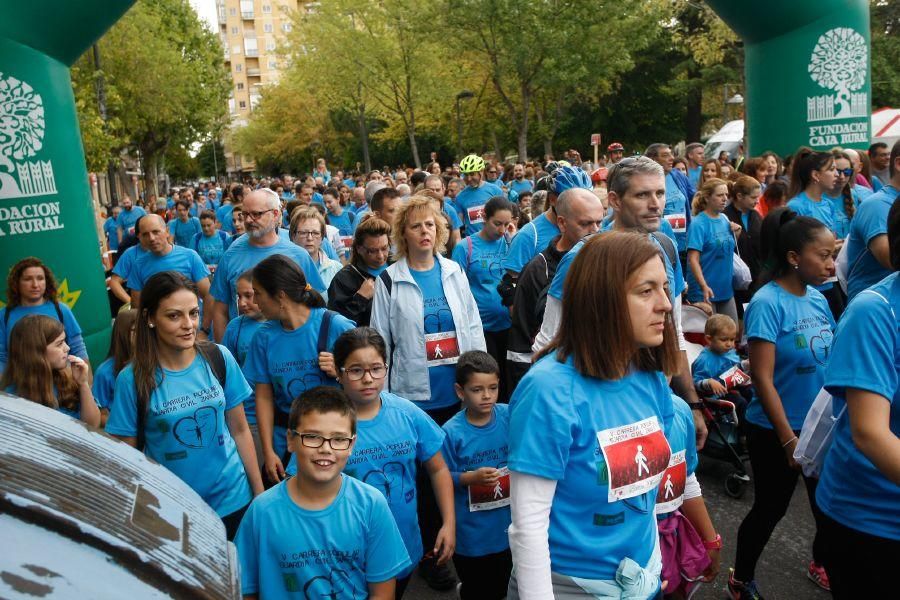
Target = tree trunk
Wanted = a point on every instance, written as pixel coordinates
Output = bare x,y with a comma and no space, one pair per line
498,151
694,119
364,137
411,131
150,160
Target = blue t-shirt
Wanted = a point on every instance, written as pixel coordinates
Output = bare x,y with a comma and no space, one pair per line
866,356
237,337
869,222
604,444
520,186
860,193
673,272
709,365
358,211
483,269
712,237
452,215
529,241
287,551
225,217
104,386
183,260
841,220
211,248
111,230
241,256
471,202
186,428
343,222
73,329
467,447
385,456
289,361
694,176
801,327
438,320
676,206
822,210
451,205
127,219
184,231
125,264
683,462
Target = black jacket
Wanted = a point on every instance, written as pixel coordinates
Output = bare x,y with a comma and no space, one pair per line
748,242
342,296
531,298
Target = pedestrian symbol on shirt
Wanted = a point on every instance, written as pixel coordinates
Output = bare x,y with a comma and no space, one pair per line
670,489
441,348
489,497
476,214
670,494
636,456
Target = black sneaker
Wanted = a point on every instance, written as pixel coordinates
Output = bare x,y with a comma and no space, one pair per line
739,590
438,577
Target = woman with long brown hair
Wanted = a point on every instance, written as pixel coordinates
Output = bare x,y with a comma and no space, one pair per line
181,401
41,369
587,451
121,349
31,290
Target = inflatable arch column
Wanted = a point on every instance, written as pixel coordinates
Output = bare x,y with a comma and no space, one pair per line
45,201
808,72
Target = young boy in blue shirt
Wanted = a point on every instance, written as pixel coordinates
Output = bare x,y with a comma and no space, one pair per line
716,359
476,450
321,533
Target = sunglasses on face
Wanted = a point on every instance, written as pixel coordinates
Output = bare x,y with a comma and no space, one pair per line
845,172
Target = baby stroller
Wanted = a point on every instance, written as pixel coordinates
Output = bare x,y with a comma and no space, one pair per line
720,414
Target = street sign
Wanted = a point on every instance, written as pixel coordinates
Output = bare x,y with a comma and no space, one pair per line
595,139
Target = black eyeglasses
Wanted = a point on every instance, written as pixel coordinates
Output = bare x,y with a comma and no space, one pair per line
357,373
256,215
313,440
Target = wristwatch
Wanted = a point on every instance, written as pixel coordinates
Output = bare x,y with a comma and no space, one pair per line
715,544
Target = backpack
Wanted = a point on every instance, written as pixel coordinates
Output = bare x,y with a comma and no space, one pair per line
668,246
59,314
213,356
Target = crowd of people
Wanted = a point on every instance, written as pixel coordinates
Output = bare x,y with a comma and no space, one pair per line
486,364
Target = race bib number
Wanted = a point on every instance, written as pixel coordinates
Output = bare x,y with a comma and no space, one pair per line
678,222
441,348
734,378
670,494
489,497
347,241
636,456
476,214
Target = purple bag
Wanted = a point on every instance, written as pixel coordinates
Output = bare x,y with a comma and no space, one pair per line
684,557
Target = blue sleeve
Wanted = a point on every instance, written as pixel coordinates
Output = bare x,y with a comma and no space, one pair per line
236,387
386,555
73,333
123,265
429,437
873,222
199,270
521,250
696,235
135,277
247,543
557,284
865,349
540,446
450,456
256,363
762,321
219,288
453,216
798,206
123,416
461,255
171,227
699,368
229,338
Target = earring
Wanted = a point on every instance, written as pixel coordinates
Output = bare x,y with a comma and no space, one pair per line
796,267
152,325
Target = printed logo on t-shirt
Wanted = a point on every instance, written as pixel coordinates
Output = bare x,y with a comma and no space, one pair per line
389,481
820,345
636,456
476,214
441,348
489,497
670,494
678,222
735,378
335,585
347,241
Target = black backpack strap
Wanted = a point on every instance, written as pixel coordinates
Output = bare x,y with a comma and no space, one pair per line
324,328
59,313
386,279
215,359
668,246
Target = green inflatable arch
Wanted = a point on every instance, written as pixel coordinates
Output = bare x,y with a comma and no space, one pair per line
45,202
808,72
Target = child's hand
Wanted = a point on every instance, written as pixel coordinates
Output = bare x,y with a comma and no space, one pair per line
713,569
486,476
326,363
717,388
445,544
80,370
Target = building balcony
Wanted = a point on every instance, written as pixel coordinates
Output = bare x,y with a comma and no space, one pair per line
247,15
255,72
251,52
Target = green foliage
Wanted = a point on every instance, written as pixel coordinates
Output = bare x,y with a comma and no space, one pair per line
885,18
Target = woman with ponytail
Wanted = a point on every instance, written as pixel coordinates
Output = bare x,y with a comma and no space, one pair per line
813,175
710,246
180,400
789,327
289,354
841,194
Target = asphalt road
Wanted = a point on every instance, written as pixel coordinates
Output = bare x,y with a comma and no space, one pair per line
781,572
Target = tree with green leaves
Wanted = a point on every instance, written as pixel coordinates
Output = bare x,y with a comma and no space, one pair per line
885,20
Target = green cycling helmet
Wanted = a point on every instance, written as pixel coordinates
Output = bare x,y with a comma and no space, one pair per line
471,164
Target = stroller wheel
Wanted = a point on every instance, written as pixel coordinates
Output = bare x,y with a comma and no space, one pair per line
736,484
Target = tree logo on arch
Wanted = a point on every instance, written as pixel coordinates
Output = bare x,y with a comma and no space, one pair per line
22,130
839,62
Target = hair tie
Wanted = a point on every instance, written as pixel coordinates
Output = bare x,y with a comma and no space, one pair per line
307,288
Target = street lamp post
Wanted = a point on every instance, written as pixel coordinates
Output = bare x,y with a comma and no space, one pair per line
736,99
465,94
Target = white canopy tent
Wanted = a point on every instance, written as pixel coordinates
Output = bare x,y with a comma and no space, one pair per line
886,126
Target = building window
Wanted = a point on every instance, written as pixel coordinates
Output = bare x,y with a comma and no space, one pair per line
240,86
232,12
238,68
270,45
243,105
234,31
250,47
286,27
236,49
231,105
267,27
267,8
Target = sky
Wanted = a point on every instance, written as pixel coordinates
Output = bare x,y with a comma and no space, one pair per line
207,11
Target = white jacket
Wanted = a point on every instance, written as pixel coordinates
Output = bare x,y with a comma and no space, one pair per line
399,316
